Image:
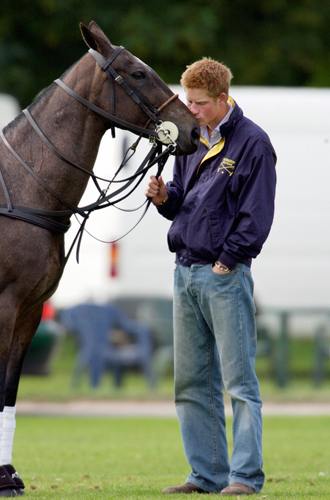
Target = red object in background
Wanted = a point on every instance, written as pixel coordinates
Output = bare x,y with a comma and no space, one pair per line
114,260
48,311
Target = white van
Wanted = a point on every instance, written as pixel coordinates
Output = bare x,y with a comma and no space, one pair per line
9,108
292,273
293,268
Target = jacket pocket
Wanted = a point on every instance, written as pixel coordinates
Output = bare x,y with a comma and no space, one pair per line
203,236
215,228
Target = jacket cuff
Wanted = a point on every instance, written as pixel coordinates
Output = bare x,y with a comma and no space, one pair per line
227,260
163,208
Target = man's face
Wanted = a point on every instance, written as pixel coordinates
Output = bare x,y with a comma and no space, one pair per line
207,110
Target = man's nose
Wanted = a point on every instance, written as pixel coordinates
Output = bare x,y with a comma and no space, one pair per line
193,109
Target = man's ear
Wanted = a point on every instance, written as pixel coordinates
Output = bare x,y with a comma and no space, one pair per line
223,97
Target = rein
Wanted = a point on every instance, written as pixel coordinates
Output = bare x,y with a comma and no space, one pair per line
160,135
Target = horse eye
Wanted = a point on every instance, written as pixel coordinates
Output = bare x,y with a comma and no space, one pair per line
138,75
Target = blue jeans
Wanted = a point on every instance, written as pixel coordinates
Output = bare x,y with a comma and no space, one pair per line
215,346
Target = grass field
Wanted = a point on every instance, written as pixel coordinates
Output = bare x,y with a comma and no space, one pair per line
58,387
134,458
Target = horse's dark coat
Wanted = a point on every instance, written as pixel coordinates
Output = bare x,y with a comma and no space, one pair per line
31,257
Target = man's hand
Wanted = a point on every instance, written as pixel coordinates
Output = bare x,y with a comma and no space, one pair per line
156,190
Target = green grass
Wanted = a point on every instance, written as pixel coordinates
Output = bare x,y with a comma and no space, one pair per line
58,387
98,458
134,458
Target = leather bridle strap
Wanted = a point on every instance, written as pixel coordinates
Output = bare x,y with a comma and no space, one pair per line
150,160
112,97
96,109
148,108
36,127
37,178
36,217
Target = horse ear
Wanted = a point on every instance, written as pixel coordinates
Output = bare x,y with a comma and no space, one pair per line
94,37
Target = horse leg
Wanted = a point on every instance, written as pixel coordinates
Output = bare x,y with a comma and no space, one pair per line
7,324
22,337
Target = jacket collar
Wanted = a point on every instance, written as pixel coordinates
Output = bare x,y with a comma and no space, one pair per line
225,128
235,116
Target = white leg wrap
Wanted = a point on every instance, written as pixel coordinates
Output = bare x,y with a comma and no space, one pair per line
8,431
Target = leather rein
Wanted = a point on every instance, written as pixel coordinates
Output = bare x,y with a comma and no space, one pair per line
40,217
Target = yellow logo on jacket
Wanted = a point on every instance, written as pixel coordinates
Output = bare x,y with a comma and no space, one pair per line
227,166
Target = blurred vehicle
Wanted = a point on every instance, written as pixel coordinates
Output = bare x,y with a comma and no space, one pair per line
45,344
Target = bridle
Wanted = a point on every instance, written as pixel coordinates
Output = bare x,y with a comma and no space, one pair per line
113,76
151,111
164,133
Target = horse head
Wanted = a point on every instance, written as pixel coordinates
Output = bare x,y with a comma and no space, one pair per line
152,102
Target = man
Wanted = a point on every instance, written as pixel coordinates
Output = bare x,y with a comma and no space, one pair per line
221,202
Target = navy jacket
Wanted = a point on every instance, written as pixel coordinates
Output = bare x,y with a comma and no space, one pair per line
221,201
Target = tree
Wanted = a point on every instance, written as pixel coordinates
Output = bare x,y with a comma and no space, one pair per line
264,42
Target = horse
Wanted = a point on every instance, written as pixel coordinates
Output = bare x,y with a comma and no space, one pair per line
47,155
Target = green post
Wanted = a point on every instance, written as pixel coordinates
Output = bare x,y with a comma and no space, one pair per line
282,362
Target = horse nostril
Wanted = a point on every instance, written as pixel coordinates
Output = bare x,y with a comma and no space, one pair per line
195,134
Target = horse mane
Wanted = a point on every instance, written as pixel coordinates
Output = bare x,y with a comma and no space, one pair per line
43,94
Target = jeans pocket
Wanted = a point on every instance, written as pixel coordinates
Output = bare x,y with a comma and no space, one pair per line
223,274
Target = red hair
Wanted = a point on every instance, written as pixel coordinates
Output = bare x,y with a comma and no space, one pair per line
207,74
